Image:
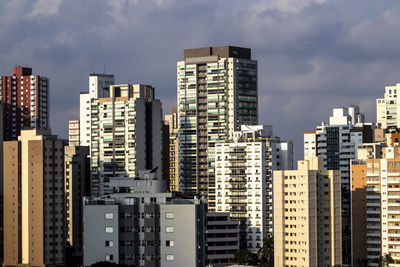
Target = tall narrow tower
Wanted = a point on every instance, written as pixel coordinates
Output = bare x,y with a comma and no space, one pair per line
217,93
26,101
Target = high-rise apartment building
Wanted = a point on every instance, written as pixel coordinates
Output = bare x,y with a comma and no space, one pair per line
388,108
307,216
97,84
73,132
222,237
375,205
244,168
26,101
76,186
1,184
172,121
34,203
337,143
217,93
126,135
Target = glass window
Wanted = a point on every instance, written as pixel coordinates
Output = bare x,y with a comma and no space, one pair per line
109,215
169,257
169,243
169,215
169,229
109,229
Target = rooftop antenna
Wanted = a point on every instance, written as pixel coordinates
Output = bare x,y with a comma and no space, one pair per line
104,69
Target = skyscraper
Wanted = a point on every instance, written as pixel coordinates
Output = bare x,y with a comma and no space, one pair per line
307,216
337,143
97,83
126,135
26,101
217,93
34,204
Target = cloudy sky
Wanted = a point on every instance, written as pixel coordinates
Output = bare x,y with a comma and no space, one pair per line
313,55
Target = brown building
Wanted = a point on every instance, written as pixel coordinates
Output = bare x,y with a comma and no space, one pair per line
172,121
375,205
76,186
26,101
1,183
34,213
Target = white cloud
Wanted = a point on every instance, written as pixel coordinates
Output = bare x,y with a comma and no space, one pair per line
284,6
45,7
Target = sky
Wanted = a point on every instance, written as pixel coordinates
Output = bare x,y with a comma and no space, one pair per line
313,55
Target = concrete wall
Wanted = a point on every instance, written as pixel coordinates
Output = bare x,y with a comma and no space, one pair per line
184,235
95,236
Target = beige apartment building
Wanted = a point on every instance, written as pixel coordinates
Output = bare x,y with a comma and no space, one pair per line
172,121
307,215
76,186
34,221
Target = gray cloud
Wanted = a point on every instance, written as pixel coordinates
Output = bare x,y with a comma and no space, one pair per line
313,55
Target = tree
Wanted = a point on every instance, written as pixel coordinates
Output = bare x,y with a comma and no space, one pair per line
246,257
266,253
385,260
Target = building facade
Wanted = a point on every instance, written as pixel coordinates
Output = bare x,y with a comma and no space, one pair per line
217,93
73,132
76,186
307,216
34,203
145,229
26,102
337,143
388,108
172,121
222,237
375,198
97,84
126,135
244,168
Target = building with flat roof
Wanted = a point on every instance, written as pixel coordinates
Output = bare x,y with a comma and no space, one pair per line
217,93
26,102
375,205
145,229
97,83
126,135
34,202
307,215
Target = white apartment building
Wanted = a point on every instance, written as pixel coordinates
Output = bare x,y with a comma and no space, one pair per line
97,82
388,108
126,135
244,179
